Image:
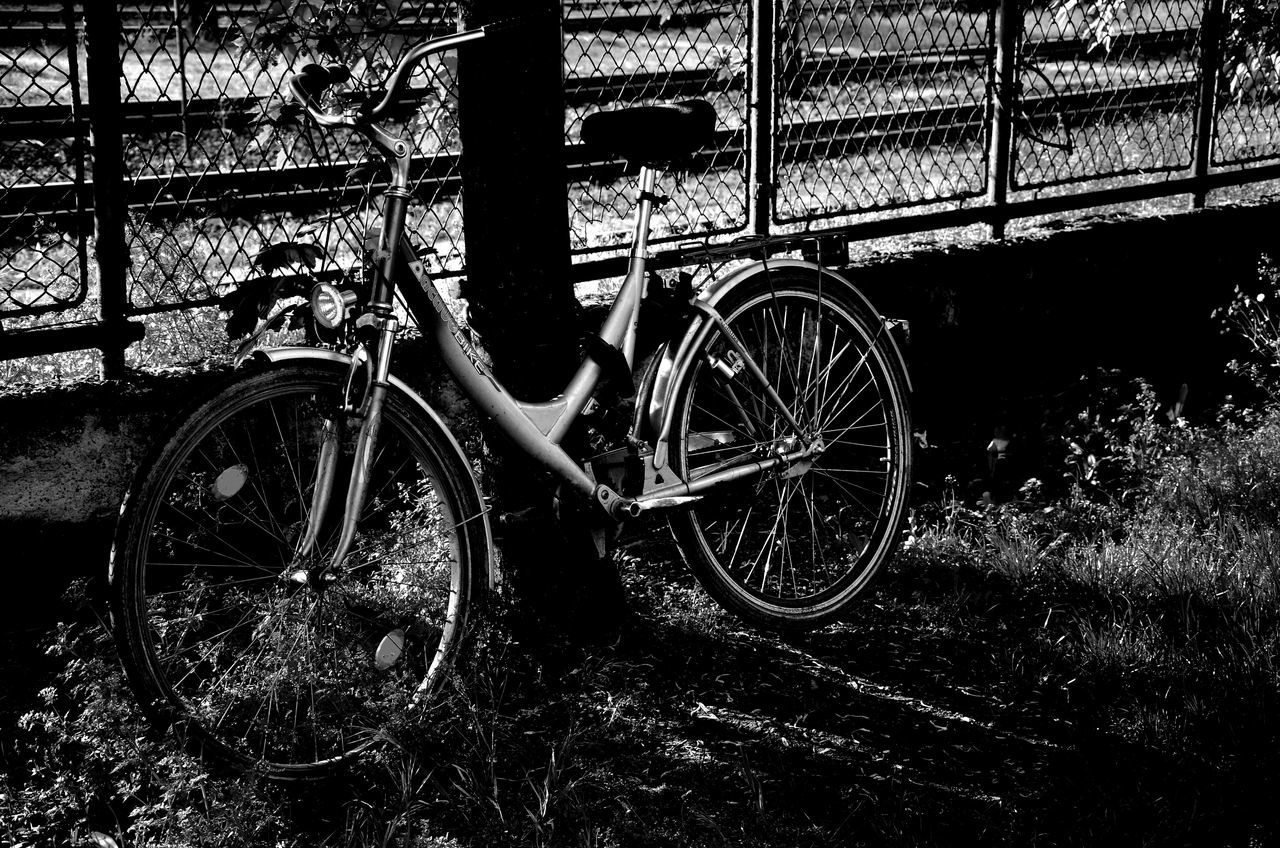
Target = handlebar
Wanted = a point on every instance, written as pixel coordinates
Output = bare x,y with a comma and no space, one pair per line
309,83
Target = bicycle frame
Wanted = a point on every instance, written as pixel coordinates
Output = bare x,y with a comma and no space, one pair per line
538,428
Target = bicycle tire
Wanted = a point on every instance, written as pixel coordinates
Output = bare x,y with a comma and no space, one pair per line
848,505
256,661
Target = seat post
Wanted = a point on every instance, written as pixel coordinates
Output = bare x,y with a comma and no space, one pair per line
640,241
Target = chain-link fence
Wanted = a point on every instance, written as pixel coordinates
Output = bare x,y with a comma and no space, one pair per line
620,53
1248,119
217,171
831,113
879,105
1097,101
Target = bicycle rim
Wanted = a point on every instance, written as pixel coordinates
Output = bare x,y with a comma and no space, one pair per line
266,657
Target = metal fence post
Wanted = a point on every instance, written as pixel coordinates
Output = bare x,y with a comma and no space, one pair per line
1007,23
102,47
761,116
179,31
1206,106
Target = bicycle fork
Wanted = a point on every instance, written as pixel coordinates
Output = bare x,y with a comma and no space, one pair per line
369,413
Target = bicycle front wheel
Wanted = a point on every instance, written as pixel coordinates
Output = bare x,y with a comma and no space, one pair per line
255,649
792,549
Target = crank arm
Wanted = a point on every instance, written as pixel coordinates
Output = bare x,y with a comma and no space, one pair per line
678,494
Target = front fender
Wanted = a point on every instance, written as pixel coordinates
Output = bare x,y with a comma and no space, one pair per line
291,354
672,364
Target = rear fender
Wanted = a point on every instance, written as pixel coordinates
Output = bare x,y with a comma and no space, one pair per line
675,360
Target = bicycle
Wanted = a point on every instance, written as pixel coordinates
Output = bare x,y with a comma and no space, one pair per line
299,557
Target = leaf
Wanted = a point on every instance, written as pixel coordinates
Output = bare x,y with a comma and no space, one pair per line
101,840
286,152
253,299
276,321
265,137
303,12
1063,16
296,313
282,254
394,44
328,45
278,111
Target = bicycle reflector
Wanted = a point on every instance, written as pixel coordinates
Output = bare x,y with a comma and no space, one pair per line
329,304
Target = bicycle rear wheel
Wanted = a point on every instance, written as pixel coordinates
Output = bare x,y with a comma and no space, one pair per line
794,548
265,658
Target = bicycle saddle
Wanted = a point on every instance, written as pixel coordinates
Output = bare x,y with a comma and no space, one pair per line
648,134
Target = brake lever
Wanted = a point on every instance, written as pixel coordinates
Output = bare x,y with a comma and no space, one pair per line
360,100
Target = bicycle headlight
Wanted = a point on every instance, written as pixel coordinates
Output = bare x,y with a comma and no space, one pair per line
329,304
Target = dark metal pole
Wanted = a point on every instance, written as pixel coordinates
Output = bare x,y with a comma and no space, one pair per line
761,117
102,47
1007,23
1206,108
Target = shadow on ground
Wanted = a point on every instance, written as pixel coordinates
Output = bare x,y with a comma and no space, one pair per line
939,714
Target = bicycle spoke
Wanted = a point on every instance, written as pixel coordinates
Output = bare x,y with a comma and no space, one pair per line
246,562
836,439
220,585
284,449
252,482
849,492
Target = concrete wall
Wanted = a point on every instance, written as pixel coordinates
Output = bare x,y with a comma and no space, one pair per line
67,453
999,329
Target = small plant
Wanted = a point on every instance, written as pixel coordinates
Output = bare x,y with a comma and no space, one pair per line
1117,440
1248,318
